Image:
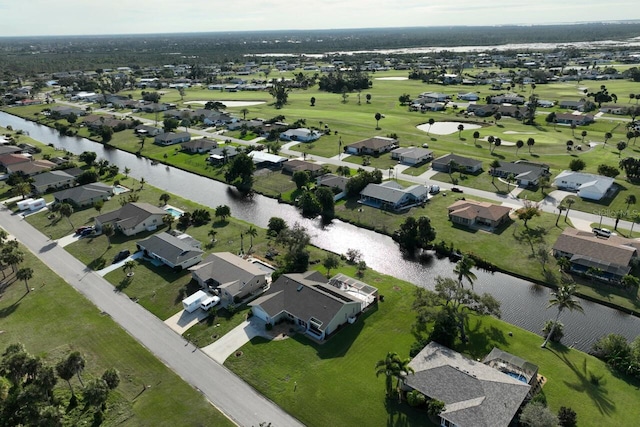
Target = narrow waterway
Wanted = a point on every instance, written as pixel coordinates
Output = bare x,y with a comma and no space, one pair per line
523,303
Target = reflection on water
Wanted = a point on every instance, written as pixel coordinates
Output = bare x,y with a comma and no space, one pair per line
523,303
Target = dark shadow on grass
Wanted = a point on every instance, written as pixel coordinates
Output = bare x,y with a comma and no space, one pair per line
586,382
339,343
97,264
481,340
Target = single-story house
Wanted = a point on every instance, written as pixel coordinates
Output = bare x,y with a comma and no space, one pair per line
172,251
420,105
587,185
481,110
52,180
202,145
613,256
295,165
574,119
526,173
614,109
31,168
265,159
572,105
434,97
464,164
318,307
508,98
471,213
65,111
469,96
373,146
132,218
412,155
338,184
8,149
390,195
474,394
222,154
231,276
8,160
84,195
300,134
147,130
171,138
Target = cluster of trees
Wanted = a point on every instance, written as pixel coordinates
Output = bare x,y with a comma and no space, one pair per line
621,355
414,234
240,173
198,217
537,414
631,167
363,178
344,81
27,386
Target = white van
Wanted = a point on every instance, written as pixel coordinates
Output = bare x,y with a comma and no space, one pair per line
209,302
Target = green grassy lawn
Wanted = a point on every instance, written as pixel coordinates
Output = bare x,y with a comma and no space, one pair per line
54,320
305,377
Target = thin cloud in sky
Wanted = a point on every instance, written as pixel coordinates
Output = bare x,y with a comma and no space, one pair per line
63,17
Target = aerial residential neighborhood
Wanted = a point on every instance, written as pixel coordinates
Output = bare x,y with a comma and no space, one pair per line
346,238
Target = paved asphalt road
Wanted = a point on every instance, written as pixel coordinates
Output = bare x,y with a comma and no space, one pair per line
226,391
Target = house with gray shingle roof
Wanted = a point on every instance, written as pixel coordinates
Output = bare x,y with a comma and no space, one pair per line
611,257
202,145
464,164
474,394
52,180
412,155
390,195
526,173
132,218
173,251
231,276
84,195
170,138
312,303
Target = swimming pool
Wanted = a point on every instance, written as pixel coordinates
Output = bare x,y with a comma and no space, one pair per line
119,189
517,376
264,267
173,211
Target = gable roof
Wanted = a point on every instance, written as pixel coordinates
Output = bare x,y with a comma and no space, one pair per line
412,152
472,209
33,167
392,192
304,296
169,248
523,170
474,394
9,149
295,165
585,180
375,143
199,144
462,161
51,178
130,215
229,270
12,159
331,180
84,192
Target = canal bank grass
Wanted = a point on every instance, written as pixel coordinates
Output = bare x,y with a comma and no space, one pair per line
54,320
305,377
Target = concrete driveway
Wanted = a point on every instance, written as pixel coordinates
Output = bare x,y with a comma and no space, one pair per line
234,339
183,320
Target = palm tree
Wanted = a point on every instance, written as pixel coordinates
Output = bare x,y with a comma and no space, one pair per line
392,367
607,136
76,364
431,122
562,298
66,210
164,198
453,165
168,220
252,232
561,208
630,200
460,129
129,266
635,219
476,135
569,201
511,178
621,146
495,164
108,231
377,116
530,143
212,233
244,113
463,270
25,274
583,134
22,188
519,145
142,181
490,140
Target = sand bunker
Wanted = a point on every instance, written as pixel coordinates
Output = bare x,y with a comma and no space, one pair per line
392,78
230,103
446,128
513,132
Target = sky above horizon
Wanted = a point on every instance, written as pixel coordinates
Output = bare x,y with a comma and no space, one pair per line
80,17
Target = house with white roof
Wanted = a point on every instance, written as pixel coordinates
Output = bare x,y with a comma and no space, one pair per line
390,195
300,134
587,185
